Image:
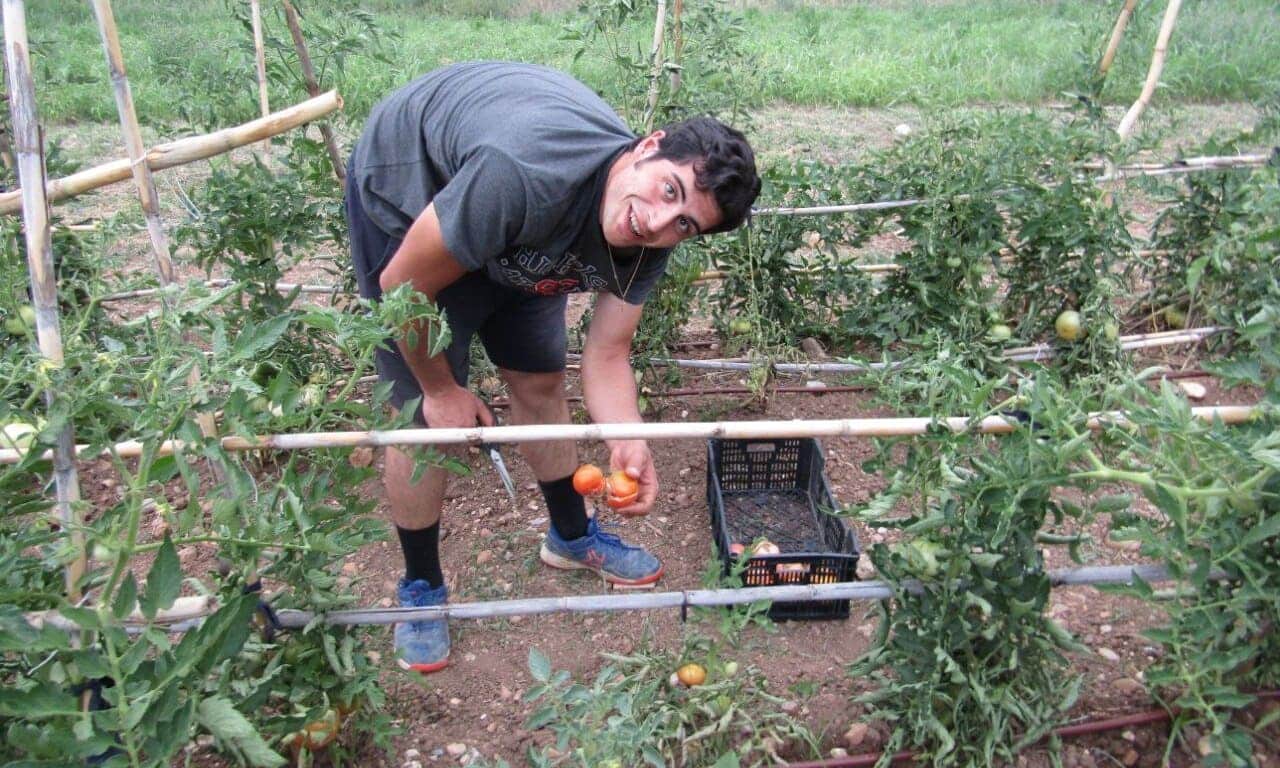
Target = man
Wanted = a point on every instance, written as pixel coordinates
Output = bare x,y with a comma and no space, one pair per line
495,189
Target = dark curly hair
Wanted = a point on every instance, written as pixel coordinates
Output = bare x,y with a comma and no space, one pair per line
723,163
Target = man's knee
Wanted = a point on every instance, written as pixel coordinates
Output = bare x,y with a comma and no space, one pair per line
535,390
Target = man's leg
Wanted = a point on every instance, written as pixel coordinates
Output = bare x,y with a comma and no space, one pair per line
421,646
574,540
538,398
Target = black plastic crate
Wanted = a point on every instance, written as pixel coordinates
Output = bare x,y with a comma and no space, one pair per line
776,489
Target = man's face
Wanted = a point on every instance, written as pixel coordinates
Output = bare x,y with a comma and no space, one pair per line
654,203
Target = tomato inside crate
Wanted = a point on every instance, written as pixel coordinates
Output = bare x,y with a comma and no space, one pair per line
769,502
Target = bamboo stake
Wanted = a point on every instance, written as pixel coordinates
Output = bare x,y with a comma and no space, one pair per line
145,183
1153,74
746,430
1189,165
133,140
1117,32
29,151
187,619
1018,354
655,64
260,58
183,151
313,86
677,48
222,282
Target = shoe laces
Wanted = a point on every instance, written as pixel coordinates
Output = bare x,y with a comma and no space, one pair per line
611,538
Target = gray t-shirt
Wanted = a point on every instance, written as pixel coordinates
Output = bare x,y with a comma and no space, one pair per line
515,159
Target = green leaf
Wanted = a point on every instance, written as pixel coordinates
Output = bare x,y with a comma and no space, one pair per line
164,581
220,717
1267,529
1195,271
255,338
1114,502
41,701
652,756
539,665
126,597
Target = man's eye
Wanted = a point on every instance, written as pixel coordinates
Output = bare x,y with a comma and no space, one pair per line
669,190
684,224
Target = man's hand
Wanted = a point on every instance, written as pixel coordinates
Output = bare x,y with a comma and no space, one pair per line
455,407
633,457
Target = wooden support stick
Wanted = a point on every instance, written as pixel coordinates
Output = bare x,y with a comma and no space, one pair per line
313,86
655,64
1153,74
677,46
1117,32
133,140
747,430
142,178
260,58
183,151
29,151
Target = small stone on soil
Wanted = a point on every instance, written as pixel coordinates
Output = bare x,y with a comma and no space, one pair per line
1108,654
1194,389
484,557
855,735
1128,686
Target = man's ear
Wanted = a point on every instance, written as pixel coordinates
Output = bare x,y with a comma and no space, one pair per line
650,144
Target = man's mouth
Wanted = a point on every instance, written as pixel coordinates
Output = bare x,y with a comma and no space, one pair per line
633,222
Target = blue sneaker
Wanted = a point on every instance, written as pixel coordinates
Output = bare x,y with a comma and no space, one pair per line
617,563
422,646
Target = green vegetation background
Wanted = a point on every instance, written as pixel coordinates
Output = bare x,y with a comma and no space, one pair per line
932,53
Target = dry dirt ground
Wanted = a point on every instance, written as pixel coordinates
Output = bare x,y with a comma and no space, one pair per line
475,706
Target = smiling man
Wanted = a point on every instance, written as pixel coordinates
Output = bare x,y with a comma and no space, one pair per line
495,189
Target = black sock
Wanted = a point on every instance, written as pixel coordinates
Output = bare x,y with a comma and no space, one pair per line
421,549
568,510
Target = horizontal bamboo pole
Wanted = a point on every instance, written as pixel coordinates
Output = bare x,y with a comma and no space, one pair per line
1018,354
742,430
692,598
220,282
1188,165
183,151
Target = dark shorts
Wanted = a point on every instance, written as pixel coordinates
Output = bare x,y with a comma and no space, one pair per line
520,331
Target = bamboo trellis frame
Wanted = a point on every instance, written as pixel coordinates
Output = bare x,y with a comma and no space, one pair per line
188,615
260,64
1117,32
142,178
677,45
1016,354
744,430
29,154
183,151
655,65
1130,119
1187,165
313,86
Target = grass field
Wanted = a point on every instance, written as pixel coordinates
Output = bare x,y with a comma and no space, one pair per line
930,53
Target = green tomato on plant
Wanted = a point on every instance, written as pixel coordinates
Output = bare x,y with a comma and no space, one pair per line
1069,326
22,322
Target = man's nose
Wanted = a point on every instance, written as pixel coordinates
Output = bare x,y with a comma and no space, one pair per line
661,217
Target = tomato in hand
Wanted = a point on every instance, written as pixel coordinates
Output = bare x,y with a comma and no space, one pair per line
588,480
622,489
